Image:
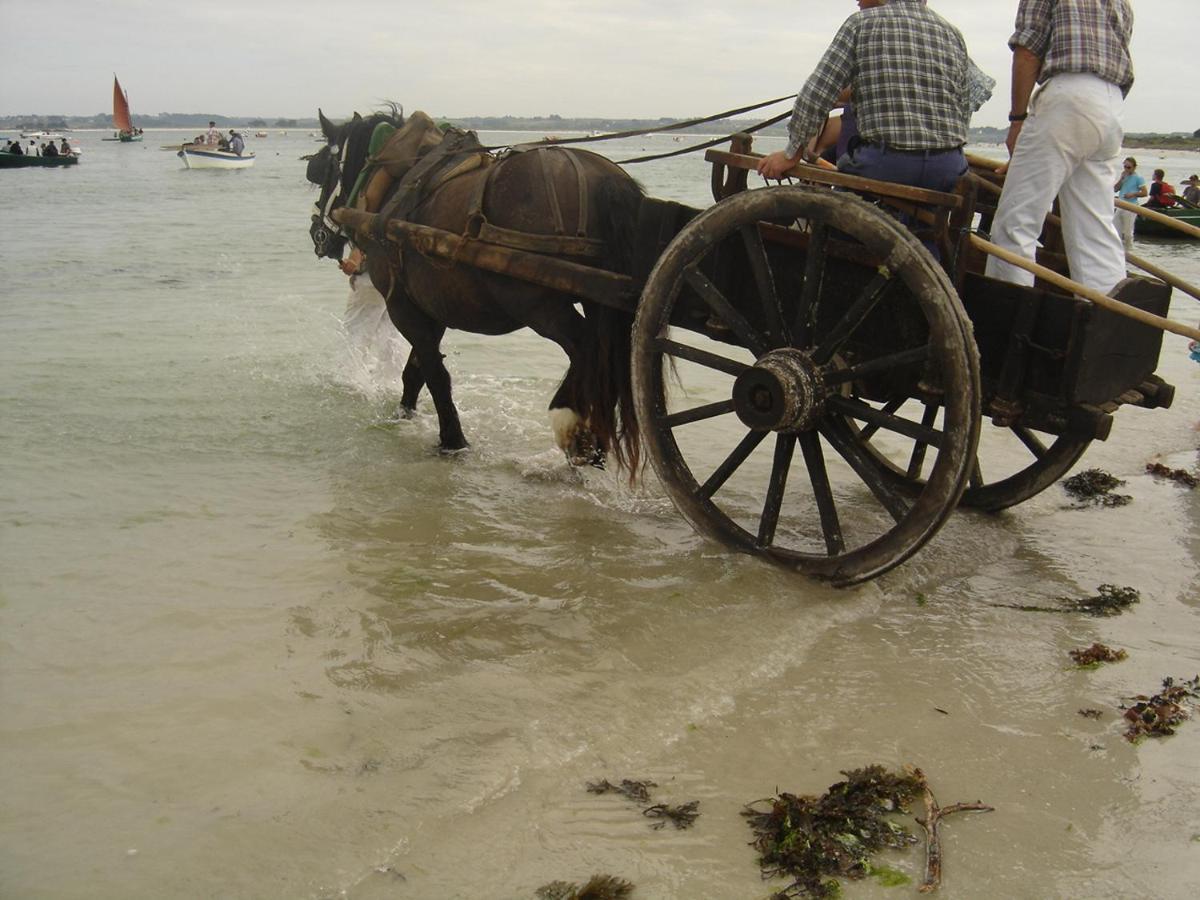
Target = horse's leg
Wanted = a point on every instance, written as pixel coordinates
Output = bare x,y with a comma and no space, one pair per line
413,380
424,335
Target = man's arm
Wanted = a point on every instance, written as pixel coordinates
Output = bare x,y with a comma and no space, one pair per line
1026,66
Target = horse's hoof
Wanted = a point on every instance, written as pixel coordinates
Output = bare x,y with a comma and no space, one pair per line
444,450
406,413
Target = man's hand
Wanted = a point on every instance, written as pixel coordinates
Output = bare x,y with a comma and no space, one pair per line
1014,132
774,165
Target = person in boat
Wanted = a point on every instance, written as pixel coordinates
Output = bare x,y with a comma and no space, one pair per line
1191,193
14,147
48,149
212,137
1066,143
1162,194
64,149
236,143
1129,187
910,106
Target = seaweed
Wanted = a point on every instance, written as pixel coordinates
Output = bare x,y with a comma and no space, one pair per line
598,887
1179,476
814,841
1092,657
1091,713
1161,714
1109,600
637,791
681,817
1095,486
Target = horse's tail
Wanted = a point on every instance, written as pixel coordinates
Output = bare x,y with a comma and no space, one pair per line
607,379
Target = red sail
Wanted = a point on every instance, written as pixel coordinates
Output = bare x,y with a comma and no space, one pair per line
121,120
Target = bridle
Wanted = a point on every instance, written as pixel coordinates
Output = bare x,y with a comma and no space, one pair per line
324,229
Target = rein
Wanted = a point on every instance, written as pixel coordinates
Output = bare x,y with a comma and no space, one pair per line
674,126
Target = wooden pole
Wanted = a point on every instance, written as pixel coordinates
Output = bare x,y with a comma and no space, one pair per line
1163,275
1184,227
1102,300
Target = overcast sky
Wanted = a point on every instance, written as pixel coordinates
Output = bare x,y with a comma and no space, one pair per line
603,58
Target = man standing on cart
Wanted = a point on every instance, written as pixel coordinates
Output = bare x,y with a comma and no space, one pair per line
1067,142
908,75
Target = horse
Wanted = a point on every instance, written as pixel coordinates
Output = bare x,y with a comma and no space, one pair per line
520,197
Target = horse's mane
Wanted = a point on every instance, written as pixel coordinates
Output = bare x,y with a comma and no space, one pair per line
357,136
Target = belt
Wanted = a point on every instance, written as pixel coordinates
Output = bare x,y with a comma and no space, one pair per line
937,151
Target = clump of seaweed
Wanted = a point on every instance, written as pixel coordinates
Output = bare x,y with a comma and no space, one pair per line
1091,713
1092,657
816,840
1110,600
683,816
637,791
598,887
1095,486
1179,476
1160,715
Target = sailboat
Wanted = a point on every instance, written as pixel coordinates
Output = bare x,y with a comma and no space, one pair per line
122,121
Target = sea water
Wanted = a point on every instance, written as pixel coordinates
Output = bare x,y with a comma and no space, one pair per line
258,640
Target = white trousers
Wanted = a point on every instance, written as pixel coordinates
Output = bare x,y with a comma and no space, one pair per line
1069,148
1125,221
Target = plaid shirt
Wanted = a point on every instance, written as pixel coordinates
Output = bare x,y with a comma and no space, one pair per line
1078,36
907,71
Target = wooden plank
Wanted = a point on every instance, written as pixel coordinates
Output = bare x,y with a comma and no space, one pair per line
854,182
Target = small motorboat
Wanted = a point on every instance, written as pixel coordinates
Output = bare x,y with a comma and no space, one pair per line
260,134
1147,227
199,156
24,160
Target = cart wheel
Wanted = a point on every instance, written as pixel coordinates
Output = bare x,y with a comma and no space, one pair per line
1021,464
791,306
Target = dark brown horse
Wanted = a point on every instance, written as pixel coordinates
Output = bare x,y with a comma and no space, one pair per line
569,203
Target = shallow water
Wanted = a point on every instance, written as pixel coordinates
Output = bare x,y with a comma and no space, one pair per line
257,640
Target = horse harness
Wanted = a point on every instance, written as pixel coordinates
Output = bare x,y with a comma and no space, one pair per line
446,161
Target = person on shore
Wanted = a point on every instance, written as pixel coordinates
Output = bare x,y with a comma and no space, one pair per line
907,71
1129,187
1078,51
1162,194
1191,193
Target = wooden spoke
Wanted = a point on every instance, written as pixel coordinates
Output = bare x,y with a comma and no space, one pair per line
814,459
814,273
854,317
976,479
785,446
701,357
890,407
732,463
917,461
856,409
877,366
859,460
1031,441
724,311
699,414
759,264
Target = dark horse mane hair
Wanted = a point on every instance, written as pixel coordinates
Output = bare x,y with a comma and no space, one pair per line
600,387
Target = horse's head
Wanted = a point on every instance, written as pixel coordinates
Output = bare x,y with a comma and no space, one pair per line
335,169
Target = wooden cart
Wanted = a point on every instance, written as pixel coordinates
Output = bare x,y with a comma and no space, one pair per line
811,379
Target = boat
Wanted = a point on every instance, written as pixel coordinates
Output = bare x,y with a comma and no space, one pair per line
260,134
199,156
43,135
122,121
24,160
1147,227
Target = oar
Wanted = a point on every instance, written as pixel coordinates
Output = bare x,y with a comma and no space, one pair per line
1102,300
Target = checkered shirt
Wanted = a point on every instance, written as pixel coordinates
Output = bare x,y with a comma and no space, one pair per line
1078,36
907,71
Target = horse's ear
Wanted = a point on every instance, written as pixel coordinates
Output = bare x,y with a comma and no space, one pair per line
327,128
357,118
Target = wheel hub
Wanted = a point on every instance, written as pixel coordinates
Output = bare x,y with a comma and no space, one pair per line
783,391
